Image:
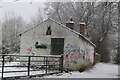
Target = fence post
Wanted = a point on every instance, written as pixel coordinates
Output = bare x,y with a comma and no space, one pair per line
44,60
61,67
46,66
3,65
28,65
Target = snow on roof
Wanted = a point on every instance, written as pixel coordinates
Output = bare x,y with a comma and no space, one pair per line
81,23
86,39
70,21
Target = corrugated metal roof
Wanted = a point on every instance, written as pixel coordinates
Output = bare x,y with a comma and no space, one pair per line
86,39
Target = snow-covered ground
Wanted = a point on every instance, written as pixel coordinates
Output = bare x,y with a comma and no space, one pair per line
14,74
100,70
18,69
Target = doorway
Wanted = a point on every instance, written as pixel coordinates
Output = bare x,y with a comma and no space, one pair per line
57,46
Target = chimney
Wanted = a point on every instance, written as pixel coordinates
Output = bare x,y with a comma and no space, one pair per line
70,23
82,28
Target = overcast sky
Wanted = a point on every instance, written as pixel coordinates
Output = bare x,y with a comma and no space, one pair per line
20,8
24,8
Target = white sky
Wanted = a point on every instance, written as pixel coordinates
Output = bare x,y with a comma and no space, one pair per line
20,8
25,9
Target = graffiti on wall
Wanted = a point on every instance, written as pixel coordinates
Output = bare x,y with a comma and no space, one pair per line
36,51
48,46
89,57
42,46
73,53
29,50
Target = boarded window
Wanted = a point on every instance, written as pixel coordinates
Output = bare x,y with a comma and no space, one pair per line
57,46
49,31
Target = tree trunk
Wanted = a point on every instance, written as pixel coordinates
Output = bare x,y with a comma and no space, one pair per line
118,60
103,50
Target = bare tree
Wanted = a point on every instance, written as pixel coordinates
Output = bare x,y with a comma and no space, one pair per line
98,17
117,58
11,28
0,38
40,16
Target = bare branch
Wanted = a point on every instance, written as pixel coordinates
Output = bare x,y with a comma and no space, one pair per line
31,1
1,0
16,0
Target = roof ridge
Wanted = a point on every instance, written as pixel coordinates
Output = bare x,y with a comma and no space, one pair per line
62,26
74,32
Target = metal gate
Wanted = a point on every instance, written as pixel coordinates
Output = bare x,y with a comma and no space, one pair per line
29,66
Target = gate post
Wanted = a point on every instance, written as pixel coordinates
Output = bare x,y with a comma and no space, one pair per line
61,67
3,65
46,65
28,65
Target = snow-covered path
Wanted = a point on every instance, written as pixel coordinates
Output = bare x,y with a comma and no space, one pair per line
100,70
